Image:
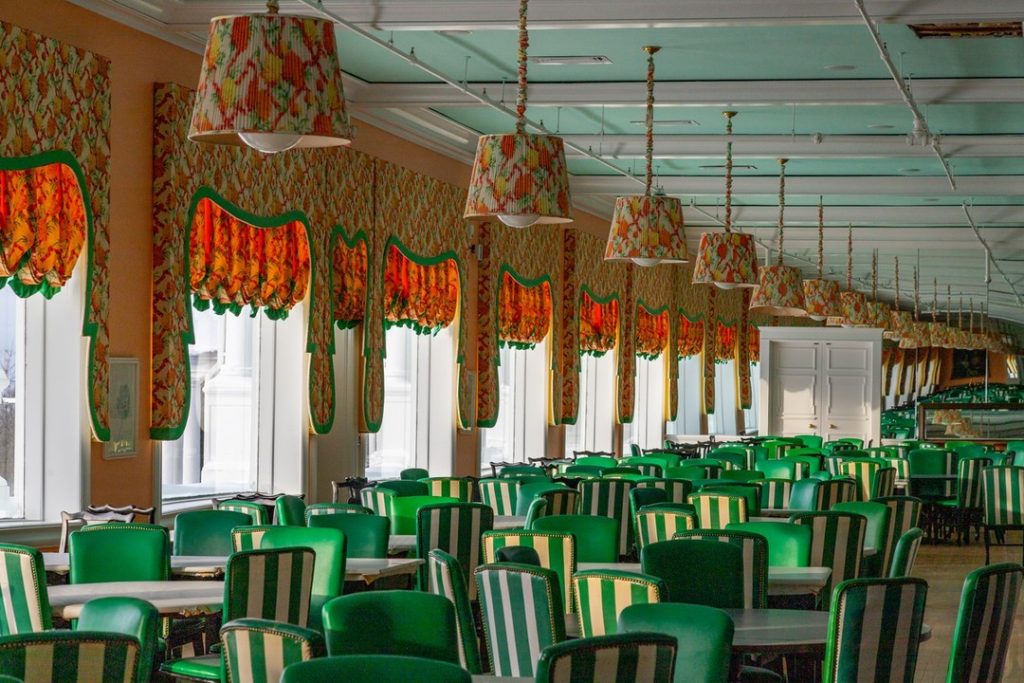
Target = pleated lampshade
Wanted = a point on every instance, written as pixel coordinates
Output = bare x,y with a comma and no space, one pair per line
647,229
727,260
821,298
780,292
878,314
853,309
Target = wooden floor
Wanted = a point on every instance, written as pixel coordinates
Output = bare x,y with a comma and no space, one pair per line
944,567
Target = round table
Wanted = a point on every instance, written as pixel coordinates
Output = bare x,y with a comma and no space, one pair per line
171,598
784,631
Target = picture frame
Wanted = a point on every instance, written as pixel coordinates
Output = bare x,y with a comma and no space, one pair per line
123,409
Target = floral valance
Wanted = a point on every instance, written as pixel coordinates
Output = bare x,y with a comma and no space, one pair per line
725,342
348,282
524,312
651,332
234,264
690,338
42,228
753,344
599,325
420,295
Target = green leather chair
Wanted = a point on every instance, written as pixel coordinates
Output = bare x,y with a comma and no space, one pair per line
596,537
556,551
703,636
645,495
751,490
678,563
456,529
775,493
328,569
583,472
404,487
933,461
984,623
413,474
289,511
862,471
835,491
517,471
119,552
603,461
677,489
904,515
500,494
967,508
1004,502
257,513
602,594
716,510
742,476
623,658
382,668
783,468
810,440
876,534
24,591
405,508
447,580
450,487
365,535
336,509
518,554
206,532
530,491
905,554
609,498
737,457
837,541
260,650
755,560
804,495
560,502
655,523
129,617
692,472
76,656
789,545
378,500
651,467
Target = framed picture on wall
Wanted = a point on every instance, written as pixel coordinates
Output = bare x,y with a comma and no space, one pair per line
123,408
968,364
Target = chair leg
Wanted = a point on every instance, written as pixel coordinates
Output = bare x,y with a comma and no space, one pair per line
987,543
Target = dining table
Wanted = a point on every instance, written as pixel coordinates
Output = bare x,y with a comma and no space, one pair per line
171,598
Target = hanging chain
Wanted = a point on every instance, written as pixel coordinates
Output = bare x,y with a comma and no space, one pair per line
524,43
728,169
917,296
874,276
821,239
782,204
650,50
849,258
972,316
935,299
897,260
960,314
949,304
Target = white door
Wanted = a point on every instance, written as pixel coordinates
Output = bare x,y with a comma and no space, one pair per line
795,393
847,391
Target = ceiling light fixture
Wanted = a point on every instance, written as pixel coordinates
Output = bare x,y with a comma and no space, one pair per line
821,296
570,60
780,290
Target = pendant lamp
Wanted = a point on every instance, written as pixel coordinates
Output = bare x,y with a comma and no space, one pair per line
726,259
899,321
520,178
647,229
271,82
780,290
852,304
821,296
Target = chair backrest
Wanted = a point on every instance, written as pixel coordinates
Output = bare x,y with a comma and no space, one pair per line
404,487
932,461
863,472
529,491
24,604
754,547
884,483
677,489
624,658
775,493
119,552
719,566
837,542
905,554
556,551
377,500
560,502
654,524
703,636
751,490
336,509
646,495
874,630
804,494
70,657
289,511
597,461
328,568
583,471
969,491
876,533
375,668
904,515
716,510
413,474
835,491
984,623
259,650
810,440
602,594
1004,496
789,545
365,535
447,580
206,532
609,498
596,536
736,456
456,529
257,513
247,537
783,468
129,617
499,494
521,611
653,467
98,514
450,487
274,584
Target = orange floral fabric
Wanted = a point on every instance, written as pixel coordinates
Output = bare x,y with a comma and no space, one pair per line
599,325
42,228
651,333
753,344
725,342
234,264
524,313
423,298
690,339
348,284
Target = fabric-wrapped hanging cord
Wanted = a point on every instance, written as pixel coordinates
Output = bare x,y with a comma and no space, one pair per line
690,338
599,326
423,298
651,333
524,313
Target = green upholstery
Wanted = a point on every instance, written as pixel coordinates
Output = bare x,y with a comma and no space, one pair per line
876,534
499,494
837,542
678,563
456,529
404,487
835,492
754,547
750,490
119,552
863,472
810,440
609,498
521,608
857,443
777,448
967,450
413,474
741,476
560,502
247,537
784,468
528,492
450,487
377,668
884,483
905,553
668,457
677,489
129,617
601,595
902,467
691,472
804,495
365,535
966,508
814,460
646,495
596,537
904,515
329,567
24,604
257,513
834,463
736,457
556,551
789,545
289,511
603,461
874,630
652,467
623,658
392,623
378,500
716,510
259,650
206,532
336,509
70,657
537,510
405,509
703,636
521,471
583,472
1004,501
518,554
448,581
775,493
654,524
932,461
984,623
714,463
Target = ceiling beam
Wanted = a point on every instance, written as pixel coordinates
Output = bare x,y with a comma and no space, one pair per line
900,186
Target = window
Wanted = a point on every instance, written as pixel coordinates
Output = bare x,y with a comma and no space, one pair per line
649,409
750,414
418,426
723,421
521,428
596,417
12,405
690,387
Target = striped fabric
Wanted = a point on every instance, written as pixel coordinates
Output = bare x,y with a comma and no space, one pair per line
269,584
755,561
884,483
24,606
602,595
247,537
377,499
1004,496
336,509
450,487
448,581
522,613
456,529
256,512
715,510
561,502
970,493
835,491
862,472
678,489
902,467
609,498
557,552
499,494
782,469
984,624
657,525
775,493
874,630
834,465
258,650
733,458
904,515
625,658
837,542
78,656
905,554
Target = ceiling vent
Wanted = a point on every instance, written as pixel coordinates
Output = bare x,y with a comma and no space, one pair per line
997,29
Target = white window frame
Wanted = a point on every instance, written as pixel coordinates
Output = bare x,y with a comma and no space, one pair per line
689,389
595,419
723,420
528,422
647,429
750,425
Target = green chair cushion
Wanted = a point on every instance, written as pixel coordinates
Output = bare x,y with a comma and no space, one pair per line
204,667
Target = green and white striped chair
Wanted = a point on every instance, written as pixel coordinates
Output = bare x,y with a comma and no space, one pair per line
248,537
521,608
499,494
884,483
447,580
601,595
837,542
715,510
655,524
678,489
966,509
336,509
775,493
755,560
450,487
560,502
378,500
1004,501
874,630
259,650
24,605
835,491
624,658
902,467
70,657
862,471
904,515
557,552
455,528
984,624
609,498
905,554
257,512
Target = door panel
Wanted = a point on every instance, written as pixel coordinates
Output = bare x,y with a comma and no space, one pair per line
845,358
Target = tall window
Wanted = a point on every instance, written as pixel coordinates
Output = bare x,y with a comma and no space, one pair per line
750,414
521,428
649,409
12,405
724,419
687,420
596,417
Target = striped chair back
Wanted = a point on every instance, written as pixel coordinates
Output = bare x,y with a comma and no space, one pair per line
755,560
834,465
837,542
775,493
904,515
377,500
560,502
335,509
247,537
715,510
835,491
863,473
902,467
984,624
447,580
70,657
602,595
258,650
499,494
456,529
521,608
678,489
884,483
905,554
874,630
784,468
269,584
969,493
625,658
450,487
24,605
257,512
609,498
1003,496
661,524
557,552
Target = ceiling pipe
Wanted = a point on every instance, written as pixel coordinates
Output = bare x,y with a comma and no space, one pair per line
990,257
920,123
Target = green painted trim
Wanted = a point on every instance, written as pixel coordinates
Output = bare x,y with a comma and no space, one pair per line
696,318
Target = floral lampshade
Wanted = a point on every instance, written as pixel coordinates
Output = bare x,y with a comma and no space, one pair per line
853,309
899,322
821,298
878,314
780,292
915,336
647,229
727,260
272,82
